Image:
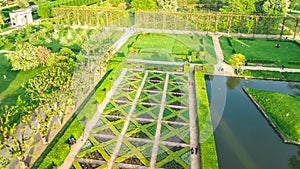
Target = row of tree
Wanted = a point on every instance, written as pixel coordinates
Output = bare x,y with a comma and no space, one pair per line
218,22
101,17
46,99
45,9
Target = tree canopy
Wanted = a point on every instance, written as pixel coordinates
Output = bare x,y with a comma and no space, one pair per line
24,58
143,4
236,60
275,7
242,6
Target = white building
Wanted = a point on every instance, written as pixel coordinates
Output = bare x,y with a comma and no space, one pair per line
20,17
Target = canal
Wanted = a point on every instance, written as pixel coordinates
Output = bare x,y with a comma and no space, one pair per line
244,138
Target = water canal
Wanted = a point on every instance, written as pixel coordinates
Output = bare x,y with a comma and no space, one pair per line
244,139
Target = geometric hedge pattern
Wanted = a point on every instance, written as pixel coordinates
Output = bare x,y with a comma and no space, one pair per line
138,141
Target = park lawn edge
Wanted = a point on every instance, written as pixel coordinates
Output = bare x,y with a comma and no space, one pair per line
271,75
209,158
268,117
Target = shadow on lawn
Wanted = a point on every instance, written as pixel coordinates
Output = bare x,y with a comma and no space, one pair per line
5,69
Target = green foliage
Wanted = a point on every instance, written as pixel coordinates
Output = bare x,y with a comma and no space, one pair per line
146,5
240,6
275,7
169,5
24,58
73,128
208,152
45,9
281,109
237,60
22,3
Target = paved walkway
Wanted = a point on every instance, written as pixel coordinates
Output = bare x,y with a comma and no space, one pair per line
126,124
194,131
89,126
221,68
159,124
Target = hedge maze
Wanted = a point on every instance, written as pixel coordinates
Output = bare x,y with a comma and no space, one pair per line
144,100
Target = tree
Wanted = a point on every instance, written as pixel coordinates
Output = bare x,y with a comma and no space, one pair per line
115,3
146,5
276,7
50,93
237,60
242,6
16,139
1,20
168,5
42,54
22,3
24,58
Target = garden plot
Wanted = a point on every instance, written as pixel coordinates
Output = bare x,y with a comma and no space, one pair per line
148,111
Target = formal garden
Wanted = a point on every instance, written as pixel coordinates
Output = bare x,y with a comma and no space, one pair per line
138,99
194,48
57,74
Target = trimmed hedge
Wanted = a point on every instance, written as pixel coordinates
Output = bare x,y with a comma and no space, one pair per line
259,61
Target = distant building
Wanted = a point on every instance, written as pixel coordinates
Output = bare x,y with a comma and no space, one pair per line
20,17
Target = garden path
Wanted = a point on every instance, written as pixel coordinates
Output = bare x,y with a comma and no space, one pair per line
221,68
5,51
90,124
126,124
194,138
159,123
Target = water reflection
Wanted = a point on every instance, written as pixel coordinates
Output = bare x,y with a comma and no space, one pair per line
295,160
233,82
295,87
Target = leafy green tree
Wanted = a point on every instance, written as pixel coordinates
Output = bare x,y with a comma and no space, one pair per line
275,7
1,20
168,5
237,60
22,3
16,139
115,3
146,5
50,93
242,6
67,52
24,58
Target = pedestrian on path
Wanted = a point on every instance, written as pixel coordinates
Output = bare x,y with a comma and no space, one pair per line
282,67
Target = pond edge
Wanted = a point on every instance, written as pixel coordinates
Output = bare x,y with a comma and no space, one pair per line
271,123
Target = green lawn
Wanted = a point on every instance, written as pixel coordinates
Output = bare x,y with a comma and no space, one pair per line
170,47
264,74
208,151
263,51
10,87
282,110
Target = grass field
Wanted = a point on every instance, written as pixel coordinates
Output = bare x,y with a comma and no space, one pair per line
10,87
263,51
282,110
170,47
264,74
